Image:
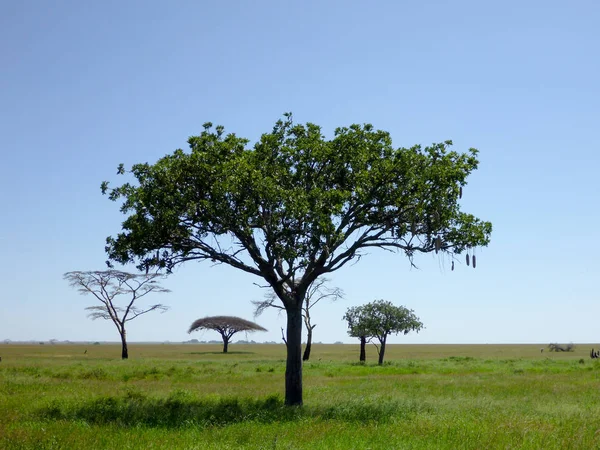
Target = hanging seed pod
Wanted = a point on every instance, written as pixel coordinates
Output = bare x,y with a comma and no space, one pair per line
460,192
474,262
453,265
467,259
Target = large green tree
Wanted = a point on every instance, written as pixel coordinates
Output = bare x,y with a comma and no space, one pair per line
293,207
378,320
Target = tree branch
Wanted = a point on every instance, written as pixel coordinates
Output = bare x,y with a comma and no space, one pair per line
163,309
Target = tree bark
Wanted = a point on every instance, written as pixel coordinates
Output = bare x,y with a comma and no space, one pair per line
306,354
225,344
382,351
293,369
124,351
363,353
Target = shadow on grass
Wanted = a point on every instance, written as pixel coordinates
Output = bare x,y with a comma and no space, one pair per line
221,353
181,409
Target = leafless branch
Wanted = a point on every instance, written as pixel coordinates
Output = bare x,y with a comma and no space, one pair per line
161,308
106,286
283,336
262,306
376,346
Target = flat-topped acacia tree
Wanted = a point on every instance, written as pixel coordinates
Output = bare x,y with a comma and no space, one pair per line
294,207
226,326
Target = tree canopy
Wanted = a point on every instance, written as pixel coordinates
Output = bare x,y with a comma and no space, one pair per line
226,326
296,203
293,207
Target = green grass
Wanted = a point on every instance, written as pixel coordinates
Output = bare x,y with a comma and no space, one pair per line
193,397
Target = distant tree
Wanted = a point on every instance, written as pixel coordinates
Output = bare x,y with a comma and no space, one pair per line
357,327
294,207
107,285
379,319
226,326
315,293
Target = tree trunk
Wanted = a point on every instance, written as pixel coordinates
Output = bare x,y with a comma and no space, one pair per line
124,352
308,344
382,351
293,369
225,344
363,353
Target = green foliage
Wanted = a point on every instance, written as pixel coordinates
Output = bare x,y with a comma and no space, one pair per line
379,319
294,207
357,322
295,204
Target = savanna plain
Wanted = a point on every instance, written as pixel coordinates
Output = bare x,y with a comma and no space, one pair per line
169,396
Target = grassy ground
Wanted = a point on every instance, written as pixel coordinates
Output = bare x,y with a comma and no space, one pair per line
194,397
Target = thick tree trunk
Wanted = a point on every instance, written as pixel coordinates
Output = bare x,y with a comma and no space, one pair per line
225,344
124,352
382,351
306,354
293,369
363,344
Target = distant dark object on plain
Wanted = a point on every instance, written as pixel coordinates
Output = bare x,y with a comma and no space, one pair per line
561,348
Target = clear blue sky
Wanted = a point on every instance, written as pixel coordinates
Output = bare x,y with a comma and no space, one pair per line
85,86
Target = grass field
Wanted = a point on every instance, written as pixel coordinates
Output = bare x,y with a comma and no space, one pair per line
194,397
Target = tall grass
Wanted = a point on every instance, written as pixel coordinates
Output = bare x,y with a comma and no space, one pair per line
427,397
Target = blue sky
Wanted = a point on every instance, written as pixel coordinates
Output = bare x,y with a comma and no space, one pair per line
85,86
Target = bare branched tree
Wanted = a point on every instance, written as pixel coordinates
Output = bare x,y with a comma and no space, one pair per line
226,326
315,293
107,285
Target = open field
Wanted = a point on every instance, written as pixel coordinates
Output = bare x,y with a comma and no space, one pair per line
193,397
